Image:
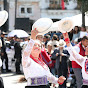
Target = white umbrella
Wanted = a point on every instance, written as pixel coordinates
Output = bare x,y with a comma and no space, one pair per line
54,26
77,19
64,25
19,33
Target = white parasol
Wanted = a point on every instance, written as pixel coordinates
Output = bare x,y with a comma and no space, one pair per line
19,33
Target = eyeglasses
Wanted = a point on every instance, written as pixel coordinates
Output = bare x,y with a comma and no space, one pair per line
37,45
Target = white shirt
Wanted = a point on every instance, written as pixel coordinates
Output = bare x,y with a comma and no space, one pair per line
82,33
77,49
0,43
0,62
80,60
31,68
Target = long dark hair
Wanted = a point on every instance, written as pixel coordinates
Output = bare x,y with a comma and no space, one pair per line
77,30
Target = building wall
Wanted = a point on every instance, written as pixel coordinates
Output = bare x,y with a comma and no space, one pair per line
35,10
58,14
11,15
39,9
44,4
1,5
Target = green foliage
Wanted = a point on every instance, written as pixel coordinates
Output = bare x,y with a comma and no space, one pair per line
65,0
83,5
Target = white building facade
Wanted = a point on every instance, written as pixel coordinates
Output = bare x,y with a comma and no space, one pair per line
35,9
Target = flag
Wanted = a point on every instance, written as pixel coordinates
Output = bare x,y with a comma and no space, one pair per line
62,4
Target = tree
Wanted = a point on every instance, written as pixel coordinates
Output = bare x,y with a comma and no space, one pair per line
83,6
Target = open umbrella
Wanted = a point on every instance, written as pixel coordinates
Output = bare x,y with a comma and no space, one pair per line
77,19
64,25
19,33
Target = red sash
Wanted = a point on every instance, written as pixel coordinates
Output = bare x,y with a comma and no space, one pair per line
40,62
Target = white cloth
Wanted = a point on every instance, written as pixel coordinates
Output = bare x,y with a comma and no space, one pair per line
10,52
0,62
77,49
82,33
80,60
31,68
0,43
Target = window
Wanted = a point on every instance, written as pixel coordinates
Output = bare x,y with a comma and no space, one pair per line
25,10
54,4
22,10
29,10
54,1
51,1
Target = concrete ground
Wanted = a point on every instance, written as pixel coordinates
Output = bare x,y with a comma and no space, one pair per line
11,81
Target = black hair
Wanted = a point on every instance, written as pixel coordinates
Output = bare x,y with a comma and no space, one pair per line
47,36
84,37
77,30
55,37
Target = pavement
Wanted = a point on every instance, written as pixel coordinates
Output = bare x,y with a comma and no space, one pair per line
11,81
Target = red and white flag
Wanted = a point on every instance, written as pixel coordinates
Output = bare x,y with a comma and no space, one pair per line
62,4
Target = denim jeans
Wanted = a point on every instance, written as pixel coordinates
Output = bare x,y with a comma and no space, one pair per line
78,75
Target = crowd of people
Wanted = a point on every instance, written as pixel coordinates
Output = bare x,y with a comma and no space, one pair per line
54,53
45,59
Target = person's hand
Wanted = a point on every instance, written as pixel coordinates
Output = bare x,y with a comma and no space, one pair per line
65,35
2,54
61,79
62,54
57,54
67,40
34,33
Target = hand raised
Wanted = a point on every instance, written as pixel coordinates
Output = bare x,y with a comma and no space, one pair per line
34,33
65,35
